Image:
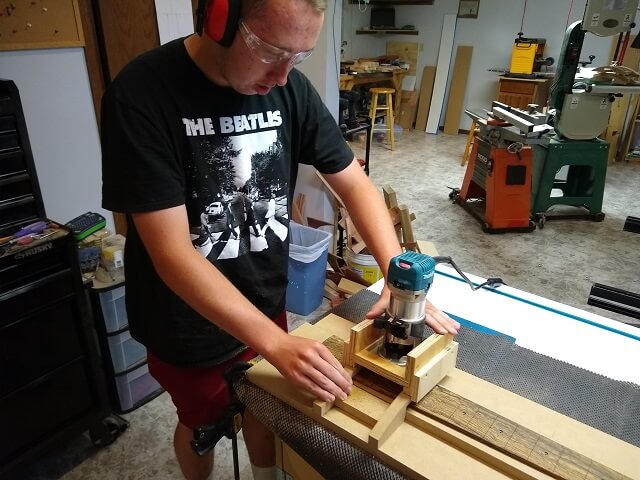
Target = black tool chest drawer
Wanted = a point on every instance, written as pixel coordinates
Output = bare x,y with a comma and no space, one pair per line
56,340
20,196
51,383
44,409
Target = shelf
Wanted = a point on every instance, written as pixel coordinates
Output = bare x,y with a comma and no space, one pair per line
399,31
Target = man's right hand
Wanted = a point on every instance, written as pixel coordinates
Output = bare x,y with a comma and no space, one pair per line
311,365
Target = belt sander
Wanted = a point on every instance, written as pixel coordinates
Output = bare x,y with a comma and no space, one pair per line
497,183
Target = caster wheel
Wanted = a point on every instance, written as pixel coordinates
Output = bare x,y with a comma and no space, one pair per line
598,217
541,221
106,432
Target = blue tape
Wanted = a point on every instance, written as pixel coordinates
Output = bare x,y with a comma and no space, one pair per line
549,309
481,328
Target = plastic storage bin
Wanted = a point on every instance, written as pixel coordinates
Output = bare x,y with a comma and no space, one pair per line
114,310
134,387
125,351
308,250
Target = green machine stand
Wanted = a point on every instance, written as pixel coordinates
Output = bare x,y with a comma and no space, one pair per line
580,185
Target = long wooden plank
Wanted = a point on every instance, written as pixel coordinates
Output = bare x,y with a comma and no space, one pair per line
424,99
511,438
442,73
457,89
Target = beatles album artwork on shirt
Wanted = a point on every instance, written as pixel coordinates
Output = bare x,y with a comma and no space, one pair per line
243,197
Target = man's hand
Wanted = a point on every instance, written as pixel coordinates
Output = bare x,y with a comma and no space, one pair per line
310,365
434,317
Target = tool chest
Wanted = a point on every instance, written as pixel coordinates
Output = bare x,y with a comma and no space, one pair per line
51,385
124,359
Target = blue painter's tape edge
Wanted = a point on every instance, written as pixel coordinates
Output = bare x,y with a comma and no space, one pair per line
551,309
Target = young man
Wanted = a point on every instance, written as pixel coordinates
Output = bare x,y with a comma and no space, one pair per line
186,126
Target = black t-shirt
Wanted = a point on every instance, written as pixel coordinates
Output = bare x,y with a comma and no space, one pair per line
171,137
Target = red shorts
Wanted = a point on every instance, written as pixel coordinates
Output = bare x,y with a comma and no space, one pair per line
199,394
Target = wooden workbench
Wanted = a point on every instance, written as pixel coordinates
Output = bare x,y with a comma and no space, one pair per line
416,453
393,77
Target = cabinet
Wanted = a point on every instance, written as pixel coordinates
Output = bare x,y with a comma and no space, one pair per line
519,92
51,384
129,382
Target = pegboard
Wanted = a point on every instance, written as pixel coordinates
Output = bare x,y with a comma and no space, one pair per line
31,24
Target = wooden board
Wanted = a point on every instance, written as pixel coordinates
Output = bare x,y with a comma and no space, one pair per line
442,73
406,52
408,108
446,460
31,25
457,89
424,100
518,442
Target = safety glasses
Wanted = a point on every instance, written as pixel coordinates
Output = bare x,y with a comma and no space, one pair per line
267,53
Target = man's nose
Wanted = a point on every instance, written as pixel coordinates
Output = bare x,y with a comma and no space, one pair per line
279,73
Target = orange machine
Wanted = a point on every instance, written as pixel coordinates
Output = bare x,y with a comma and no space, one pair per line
497,186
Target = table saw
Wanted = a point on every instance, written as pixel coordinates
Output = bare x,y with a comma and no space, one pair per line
560,386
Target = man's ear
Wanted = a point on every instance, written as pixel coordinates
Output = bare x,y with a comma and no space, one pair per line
218,19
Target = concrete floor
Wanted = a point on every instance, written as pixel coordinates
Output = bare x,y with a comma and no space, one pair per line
560,262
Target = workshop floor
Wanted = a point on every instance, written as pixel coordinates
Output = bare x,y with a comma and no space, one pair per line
560,262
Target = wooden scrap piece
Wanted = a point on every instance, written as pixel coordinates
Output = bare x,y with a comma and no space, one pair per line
393,417
349,287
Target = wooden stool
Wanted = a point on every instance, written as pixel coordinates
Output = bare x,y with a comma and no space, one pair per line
387,108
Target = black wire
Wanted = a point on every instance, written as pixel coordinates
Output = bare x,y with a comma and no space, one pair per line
523,12
335,43
490,282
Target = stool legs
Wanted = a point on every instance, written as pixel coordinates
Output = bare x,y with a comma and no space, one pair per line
389,121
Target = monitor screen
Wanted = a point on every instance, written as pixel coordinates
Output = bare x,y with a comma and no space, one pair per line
383,18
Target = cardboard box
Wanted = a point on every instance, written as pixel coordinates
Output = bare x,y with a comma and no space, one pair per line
408,107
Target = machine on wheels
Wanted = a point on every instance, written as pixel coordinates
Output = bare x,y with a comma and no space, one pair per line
563,161
497,184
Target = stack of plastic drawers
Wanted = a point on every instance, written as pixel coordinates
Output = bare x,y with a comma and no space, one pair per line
124,359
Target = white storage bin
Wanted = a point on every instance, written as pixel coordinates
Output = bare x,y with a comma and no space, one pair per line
134,386
125,351
114,310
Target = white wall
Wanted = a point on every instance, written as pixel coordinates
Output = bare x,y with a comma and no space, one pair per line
491,35
63,132
322,68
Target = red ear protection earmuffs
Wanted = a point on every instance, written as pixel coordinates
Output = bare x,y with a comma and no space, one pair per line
218,19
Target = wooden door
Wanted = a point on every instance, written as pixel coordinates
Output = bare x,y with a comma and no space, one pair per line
116,32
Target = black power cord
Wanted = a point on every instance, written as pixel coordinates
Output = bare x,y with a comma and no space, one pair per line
490,282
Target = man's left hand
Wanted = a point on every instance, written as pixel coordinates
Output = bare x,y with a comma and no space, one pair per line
434,317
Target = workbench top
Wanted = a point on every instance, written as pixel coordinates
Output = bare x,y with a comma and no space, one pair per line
565,333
